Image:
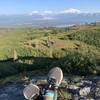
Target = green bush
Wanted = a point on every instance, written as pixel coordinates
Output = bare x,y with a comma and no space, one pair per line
91,37
77,63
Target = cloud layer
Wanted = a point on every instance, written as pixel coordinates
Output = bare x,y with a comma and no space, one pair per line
49,15
72,10
49,12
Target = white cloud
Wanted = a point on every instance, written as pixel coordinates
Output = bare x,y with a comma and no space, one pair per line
47,18
71,10
48,12
34,12
43,13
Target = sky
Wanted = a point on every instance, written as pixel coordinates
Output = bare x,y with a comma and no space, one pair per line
28,6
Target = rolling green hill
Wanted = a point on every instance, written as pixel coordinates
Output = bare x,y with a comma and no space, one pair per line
75,49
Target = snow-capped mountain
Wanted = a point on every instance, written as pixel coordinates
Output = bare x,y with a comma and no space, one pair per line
49,18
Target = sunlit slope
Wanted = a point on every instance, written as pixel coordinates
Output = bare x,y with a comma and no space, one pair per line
26,41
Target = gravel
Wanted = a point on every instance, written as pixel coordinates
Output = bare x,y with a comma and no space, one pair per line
14,90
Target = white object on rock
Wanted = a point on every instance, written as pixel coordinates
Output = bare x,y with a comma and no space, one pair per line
73,87
84,91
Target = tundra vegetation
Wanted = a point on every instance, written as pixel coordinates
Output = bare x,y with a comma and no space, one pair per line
76,49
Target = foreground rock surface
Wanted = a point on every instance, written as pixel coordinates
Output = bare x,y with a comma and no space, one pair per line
87,88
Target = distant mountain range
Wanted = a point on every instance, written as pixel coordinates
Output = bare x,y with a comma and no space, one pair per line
48,19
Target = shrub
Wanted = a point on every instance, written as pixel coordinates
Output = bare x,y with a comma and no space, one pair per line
77,63
91,37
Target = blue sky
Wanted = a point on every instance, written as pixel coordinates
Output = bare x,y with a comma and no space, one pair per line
27,6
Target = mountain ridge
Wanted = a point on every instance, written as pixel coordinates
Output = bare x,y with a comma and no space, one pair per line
48,19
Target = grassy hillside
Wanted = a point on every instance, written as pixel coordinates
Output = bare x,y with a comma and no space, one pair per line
75,49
